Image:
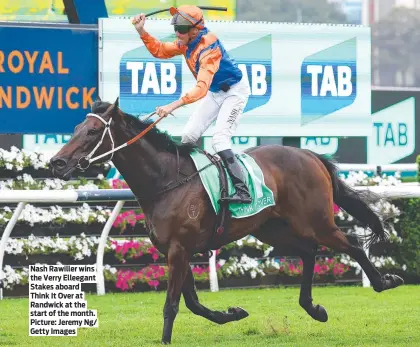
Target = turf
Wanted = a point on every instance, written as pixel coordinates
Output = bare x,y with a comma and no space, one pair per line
357,317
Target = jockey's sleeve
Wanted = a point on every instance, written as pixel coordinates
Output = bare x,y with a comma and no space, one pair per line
209,64
159,49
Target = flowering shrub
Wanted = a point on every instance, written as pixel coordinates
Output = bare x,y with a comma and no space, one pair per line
134,249
17,160
26,181
12,277
77,247
252,267
361,179
82,247
128,218
202,273
119,184
152,275
239,267
249,241
56,215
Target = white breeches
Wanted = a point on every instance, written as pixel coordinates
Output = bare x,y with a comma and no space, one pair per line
226,108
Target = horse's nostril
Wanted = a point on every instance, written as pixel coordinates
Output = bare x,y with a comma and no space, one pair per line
59,163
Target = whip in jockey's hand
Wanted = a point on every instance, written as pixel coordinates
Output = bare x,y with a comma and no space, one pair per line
221,90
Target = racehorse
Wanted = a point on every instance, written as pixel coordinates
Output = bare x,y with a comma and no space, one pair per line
305,187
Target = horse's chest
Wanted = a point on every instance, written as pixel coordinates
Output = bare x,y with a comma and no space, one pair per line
158,235
151,231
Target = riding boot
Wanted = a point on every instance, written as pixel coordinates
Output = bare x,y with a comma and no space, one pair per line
241,194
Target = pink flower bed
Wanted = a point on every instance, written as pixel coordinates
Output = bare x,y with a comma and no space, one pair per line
119,184
128,218
153,275
329,266
134,249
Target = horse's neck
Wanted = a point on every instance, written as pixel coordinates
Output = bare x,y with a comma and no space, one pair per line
143,167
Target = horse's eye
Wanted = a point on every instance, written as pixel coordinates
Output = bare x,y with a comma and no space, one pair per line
92,131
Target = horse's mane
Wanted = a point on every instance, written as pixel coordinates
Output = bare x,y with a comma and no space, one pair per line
162,141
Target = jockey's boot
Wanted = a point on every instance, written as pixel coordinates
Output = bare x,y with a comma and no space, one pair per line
241,195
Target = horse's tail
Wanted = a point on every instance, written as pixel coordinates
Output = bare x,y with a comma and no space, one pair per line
356,203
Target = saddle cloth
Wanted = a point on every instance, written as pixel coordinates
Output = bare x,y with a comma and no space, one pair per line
262,196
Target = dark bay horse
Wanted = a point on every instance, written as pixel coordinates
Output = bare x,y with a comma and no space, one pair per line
305,186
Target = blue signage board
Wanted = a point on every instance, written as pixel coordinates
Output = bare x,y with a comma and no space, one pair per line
48,77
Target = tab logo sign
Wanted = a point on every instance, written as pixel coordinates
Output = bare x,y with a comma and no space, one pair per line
239,143
147,82
320,145
328,80
254,59
393,133
47,144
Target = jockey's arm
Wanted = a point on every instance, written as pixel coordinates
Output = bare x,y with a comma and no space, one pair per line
159,49
209,64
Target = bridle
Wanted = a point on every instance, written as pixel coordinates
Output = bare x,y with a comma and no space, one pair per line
88,158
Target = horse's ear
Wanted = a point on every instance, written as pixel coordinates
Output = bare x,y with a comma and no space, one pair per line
97,102
116,114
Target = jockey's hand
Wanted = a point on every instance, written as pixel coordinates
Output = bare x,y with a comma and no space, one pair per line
163,111
138,22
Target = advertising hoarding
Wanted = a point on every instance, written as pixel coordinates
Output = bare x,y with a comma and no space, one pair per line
305,80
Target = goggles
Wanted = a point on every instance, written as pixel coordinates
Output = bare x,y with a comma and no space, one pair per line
182,29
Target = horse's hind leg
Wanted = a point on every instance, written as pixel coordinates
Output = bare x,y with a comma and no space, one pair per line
193,304
281,236
338,241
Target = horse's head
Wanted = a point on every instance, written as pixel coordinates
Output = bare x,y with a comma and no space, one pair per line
91,138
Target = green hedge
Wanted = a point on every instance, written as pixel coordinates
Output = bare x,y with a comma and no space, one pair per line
408,228
407,252
418,165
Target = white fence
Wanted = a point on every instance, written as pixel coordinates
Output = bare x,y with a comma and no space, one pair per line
378,169
21,197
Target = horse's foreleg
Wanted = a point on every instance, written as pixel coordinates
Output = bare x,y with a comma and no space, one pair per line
193,304
178,267
305,299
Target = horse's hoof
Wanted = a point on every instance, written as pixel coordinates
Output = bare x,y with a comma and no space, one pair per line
395,279
238,312
166,342
320,314
391,281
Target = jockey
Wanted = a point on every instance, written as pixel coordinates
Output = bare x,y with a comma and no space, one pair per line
221,89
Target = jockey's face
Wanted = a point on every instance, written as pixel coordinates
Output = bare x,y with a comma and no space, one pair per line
186,38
